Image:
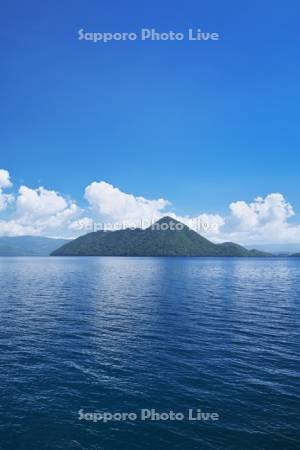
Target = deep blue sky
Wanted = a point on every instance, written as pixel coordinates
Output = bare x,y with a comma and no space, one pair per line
201,124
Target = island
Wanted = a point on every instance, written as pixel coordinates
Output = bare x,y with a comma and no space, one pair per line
166,237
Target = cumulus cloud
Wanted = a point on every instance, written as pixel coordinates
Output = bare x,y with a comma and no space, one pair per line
39,202
271,209
206,224
44,209
40,211
5,179
265,220
37,211
110,203
5,199
13,227
83,224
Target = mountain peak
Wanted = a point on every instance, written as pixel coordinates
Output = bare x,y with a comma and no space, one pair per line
168,223
167,220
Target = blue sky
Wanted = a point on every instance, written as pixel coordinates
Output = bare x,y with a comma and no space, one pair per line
199,124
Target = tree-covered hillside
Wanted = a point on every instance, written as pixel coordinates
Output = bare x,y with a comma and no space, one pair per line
167,237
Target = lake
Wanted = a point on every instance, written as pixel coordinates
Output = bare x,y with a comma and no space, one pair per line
85,337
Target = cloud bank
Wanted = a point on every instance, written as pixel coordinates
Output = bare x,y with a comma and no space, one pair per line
45,212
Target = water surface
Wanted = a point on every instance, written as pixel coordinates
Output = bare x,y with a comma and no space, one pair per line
121,334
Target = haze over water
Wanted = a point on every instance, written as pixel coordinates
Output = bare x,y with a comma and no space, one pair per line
122,334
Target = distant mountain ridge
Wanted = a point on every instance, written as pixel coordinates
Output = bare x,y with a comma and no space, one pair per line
29,245
167,237
278,249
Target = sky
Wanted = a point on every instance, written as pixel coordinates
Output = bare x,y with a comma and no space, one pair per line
125,131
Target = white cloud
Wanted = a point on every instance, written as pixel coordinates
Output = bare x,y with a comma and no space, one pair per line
14,228
39,202
39,212
109,203
5,179
5,199
84,224
43,209
206,224
265,220
46,212
271,209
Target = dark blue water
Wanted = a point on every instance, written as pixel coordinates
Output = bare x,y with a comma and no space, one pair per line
123,334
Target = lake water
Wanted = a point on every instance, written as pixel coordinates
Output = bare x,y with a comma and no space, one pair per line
125,334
